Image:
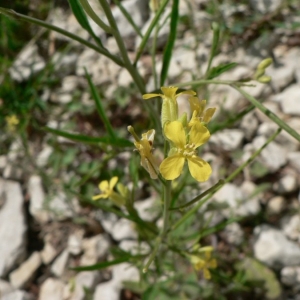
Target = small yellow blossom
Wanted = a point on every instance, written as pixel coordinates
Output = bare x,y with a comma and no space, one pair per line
185,149
202,260
107,191
11,122
169,111
199,112
144,147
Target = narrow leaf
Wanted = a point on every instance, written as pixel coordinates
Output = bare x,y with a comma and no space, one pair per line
102,265
119,142
170,43
217,71
99,106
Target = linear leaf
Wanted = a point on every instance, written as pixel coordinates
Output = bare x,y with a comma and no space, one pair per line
119,142
102,265
218,70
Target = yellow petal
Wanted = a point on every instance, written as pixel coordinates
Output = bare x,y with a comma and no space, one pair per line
170,91
206,274
148,96
174,131
188,92
113,182
199,134
209,114
199,168
172,166
100,196
213,263
103,186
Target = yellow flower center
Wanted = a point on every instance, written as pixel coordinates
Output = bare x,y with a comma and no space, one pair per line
189,150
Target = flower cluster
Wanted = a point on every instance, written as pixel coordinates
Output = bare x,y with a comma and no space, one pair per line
184,137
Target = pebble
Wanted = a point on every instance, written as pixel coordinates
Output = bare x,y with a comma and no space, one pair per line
147,209
52,289
106,290
228,139
59,265
18,295
48,253
123,229
20,277
234,234
286,184
291,227
274,249
12,226
276,205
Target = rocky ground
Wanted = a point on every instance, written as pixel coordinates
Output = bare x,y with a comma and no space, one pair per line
44,230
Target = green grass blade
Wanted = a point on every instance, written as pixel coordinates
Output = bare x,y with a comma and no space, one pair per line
13,14
82,20
218,70
269,114
118,142
170,43
149,30
100,107
128,17
102,265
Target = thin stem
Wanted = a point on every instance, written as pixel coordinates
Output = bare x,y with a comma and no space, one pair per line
133,72
210,81
149,30
72,36
228,179
166,217
269,114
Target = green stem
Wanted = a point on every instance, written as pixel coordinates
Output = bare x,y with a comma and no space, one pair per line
149,30
228,179
166,217
11,13
120,41
269,114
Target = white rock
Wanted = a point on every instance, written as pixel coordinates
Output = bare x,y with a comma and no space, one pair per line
84,280
75,242
123,229
147,209
37,198
238,199
291,227
138,11
62,207
273,156
286,184
275,205
289,275
28,63
289,100
282,76
107,220
60,264
123,272
274,249
5,287
134,247
48,253
52,289
94,248
124,78
64,63
234,234
3,162
18,295
294,160
264,7
228,139
271,106
12,226
43,156
249,125
20,277
107,290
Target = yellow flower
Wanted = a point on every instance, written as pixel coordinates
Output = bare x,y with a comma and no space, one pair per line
144,147
203,261
11,122
107,191
185,149
169,111
199,112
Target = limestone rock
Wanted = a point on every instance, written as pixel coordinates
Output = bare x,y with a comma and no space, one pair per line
21,276
28,63
18,295
52,289
37,198
60,264
274,249
12,226
123,229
